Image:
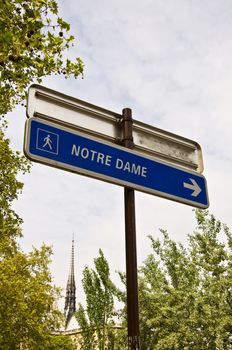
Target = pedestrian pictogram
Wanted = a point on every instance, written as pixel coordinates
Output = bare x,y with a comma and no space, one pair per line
47,141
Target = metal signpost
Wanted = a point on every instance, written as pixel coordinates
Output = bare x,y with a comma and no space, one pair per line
131,250
76,136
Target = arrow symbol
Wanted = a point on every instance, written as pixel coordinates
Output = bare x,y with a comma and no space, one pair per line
193,186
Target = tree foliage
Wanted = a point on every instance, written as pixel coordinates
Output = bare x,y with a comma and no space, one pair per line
97,320
33,39
27,313
186,293
61,342
27,297
11,163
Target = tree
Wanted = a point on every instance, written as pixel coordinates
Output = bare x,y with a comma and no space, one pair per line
97,321
33,39
61,342
11,163
27,313
27,297
185,293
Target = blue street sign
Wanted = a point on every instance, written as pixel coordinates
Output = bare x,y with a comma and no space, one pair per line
62,147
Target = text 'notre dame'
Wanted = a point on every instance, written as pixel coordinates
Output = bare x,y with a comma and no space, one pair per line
108,160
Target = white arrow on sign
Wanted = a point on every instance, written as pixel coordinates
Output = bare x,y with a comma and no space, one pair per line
193,186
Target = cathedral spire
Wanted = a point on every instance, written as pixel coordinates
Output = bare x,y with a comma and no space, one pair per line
70,299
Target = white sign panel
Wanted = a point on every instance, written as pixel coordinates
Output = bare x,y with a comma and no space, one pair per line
104,124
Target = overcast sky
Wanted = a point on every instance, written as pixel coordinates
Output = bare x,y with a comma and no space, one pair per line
170,62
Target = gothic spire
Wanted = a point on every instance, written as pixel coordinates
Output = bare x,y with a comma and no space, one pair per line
70,299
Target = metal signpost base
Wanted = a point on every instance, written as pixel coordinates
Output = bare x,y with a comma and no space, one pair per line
131,255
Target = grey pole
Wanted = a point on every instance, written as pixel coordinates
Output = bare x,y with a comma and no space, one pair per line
131,252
